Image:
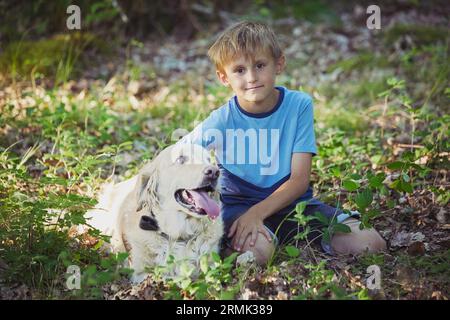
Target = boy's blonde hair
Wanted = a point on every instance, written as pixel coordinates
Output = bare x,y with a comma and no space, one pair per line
245,38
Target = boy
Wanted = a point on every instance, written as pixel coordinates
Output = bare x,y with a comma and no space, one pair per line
264,141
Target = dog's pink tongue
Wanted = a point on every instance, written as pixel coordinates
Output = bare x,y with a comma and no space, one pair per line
203,201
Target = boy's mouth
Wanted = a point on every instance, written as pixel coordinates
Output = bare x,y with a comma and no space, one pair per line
257,87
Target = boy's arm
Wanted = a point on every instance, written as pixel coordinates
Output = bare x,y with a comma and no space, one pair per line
252,221
294,187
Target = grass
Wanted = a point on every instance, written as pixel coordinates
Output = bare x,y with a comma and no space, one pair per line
420,34
55,57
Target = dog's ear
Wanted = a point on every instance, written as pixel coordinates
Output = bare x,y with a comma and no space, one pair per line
147,186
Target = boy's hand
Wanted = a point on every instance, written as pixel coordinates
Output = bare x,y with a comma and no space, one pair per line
250,223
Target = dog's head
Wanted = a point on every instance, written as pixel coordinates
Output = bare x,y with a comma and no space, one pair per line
175,191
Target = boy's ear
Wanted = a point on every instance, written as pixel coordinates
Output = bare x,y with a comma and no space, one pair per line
280,64
222,77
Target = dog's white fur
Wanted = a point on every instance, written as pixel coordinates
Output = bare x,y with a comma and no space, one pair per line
182,233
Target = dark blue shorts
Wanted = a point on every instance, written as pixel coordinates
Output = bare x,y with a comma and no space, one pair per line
284,230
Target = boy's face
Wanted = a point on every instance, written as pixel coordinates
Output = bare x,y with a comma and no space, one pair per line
253,79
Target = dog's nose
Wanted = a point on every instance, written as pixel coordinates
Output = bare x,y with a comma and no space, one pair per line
211,172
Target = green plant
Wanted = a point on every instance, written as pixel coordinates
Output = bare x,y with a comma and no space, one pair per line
55,57
96,274
214,281
321,283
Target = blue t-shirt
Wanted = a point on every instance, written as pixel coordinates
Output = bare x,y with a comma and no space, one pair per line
254,151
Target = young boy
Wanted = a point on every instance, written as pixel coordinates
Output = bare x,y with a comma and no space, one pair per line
264,140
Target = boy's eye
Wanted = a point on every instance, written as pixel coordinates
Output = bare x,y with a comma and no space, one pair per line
239,70
260,65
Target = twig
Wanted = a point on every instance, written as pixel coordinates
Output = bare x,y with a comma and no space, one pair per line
403,145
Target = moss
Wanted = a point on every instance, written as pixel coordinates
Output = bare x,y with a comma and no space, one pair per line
46,56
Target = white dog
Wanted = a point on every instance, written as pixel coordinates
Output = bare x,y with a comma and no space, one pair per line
165,210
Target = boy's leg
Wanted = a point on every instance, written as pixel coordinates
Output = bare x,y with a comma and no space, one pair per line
357,241
262,250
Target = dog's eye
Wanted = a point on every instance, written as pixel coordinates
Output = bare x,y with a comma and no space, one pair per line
181,160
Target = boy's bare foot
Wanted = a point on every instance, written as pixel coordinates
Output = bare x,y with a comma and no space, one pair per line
358,241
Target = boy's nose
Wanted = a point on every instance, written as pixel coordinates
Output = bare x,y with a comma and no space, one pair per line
252,76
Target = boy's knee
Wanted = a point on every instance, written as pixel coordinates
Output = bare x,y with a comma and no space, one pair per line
262,250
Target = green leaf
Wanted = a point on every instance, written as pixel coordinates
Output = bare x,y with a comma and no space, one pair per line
363,294
185,284
390,203
340,227
122,256
365,224
396,165
376,159
104,277
170,260
405,177
384,191
326,235
201,291
40,258
292,251
230,258
373,213
395,185
417,167
322,218
376,181
105,263
186,269
408,156
300,207
355,176
204,264
90,270
301,219
350,185
227,295
216,258
364,199
336,172
406,186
